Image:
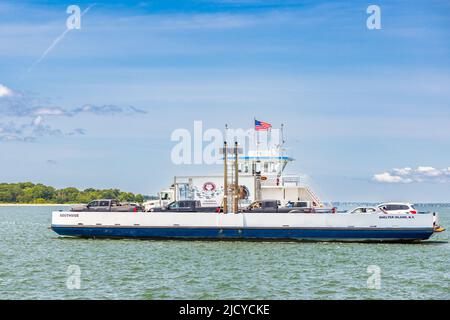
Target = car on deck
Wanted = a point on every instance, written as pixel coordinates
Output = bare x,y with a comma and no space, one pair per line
365,210
105,205
397,208
293,207
185,206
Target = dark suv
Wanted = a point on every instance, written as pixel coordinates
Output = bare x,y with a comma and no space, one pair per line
105,205
185,206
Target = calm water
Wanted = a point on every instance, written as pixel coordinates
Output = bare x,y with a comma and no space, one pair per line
34,263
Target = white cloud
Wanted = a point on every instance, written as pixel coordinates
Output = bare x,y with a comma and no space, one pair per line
410,175
5,91
50,112
38,121
390,178
403,171
429,171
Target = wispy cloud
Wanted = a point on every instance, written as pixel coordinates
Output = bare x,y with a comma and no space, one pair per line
55,42
49,111
51,162
20,104
30,131
28,112
106,110
410,175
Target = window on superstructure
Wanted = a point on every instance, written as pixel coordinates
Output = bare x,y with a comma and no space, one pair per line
275,167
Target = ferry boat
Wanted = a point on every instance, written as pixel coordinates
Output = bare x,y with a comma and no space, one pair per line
255,176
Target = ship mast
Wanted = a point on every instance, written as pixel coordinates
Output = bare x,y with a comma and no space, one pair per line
236,179
225,178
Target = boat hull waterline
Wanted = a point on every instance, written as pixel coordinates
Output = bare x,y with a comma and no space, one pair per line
244,226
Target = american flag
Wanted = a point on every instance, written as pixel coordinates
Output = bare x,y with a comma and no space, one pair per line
262,126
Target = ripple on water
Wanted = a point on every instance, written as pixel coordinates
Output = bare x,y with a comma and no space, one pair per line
34,262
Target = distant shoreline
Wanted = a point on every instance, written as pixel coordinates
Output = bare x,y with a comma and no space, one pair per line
36,204
438,204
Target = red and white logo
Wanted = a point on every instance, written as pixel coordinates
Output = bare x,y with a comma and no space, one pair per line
209,187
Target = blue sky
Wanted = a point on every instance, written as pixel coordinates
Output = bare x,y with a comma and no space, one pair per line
367,112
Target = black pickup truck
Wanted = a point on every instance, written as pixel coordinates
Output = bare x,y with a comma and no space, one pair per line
185,206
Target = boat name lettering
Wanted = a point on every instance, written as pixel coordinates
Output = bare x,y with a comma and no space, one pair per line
65,215
397,217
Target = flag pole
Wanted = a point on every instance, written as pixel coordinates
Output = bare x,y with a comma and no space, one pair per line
236,179
225,172
257,138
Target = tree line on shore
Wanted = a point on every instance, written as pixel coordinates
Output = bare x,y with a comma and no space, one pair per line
27,192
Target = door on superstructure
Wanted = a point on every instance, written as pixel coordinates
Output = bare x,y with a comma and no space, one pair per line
290,194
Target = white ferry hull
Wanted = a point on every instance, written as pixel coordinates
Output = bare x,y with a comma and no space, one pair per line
244,226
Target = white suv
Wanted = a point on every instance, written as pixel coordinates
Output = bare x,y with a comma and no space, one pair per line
397,208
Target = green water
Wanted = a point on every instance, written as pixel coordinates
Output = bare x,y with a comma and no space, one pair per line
34,263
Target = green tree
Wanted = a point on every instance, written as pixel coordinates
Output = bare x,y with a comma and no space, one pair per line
26,196
139,198
67,195
83,198
41,191
126,196
27,192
